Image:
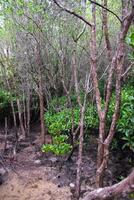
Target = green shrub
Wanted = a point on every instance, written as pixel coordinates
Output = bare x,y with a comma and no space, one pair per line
59,145
125,124
61,122
91,117
4,99
58,104
130,39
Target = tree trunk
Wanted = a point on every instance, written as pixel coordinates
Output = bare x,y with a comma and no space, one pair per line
117,63
20,118
24,112
28,111
79,162
41,102
40,93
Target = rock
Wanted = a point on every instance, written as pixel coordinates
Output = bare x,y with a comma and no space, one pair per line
2,171
53,159
72,185
72,188
37,162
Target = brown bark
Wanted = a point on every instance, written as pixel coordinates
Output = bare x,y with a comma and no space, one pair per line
93,63
28,111
105,8
41,101
105,29
120,189
117,63
79,162
40,93
24,112
74,64
20,118
82,106
80,148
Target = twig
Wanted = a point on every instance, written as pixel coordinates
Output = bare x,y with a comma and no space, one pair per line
107,10
73,13
81,33
127,69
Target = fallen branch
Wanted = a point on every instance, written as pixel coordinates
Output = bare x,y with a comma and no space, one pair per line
123,188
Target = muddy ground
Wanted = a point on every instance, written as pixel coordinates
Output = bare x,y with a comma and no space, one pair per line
36,176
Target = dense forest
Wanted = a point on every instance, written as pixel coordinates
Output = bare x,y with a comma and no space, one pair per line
66,99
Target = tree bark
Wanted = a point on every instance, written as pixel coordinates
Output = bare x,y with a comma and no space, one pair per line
79,162
40,93
20,118
105,29
120,189
28,111
117,64
41,101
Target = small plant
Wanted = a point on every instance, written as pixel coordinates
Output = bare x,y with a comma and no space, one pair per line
61,122
59,146
131,195
114,144
58,104
129,141
130,39
4,99
126,122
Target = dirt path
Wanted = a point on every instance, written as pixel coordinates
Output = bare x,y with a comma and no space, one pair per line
47,178
33,181
32,185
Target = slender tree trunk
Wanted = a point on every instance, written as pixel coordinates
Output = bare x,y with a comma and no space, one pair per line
28,111
20,118
41,101
81,124
40,93
108,140
24,112
118,61
13,112
105,29
80,151
93,61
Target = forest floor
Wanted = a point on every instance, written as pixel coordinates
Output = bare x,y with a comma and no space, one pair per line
34,176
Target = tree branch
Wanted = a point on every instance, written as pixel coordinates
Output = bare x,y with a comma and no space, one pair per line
73,13
107,10
127,69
